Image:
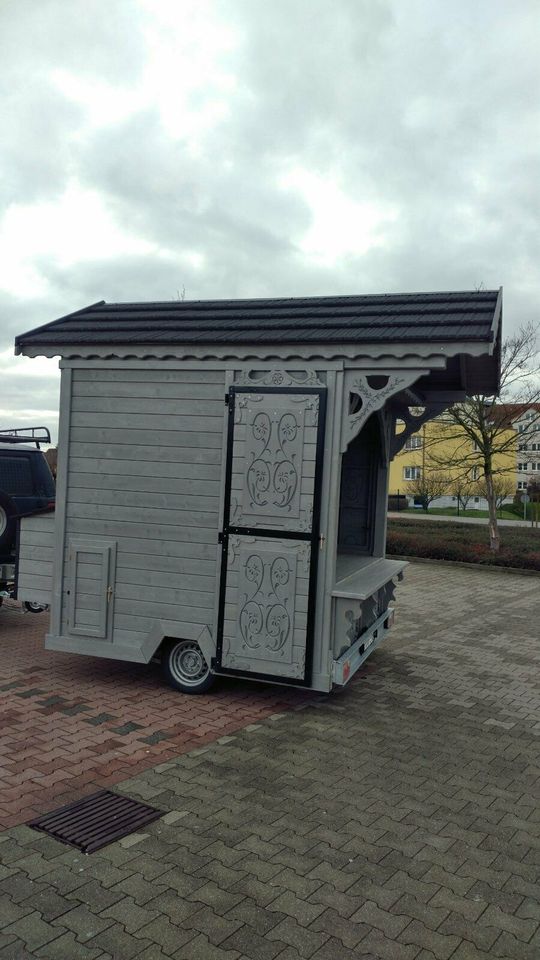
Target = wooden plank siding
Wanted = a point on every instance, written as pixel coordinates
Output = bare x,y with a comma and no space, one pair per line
36,556
144,471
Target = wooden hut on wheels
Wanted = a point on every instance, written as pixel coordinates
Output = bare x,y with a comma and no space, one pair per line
222,475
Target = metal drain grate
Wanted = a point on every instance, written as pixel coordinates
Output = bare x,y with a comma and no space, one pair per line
95,821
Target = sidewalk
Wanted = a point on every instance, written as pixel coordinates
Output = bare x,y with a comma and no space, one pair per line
397,515
398,819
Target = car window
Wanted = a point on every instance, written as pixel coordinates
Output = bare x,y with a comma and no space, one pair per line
16,476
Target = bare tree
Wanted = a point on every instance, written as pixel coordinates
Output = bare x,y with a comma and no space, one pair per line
462,489
428,486
503,487
481,428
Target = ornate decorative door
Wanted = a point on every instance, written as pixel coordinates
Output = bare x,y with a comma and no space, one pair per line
270,531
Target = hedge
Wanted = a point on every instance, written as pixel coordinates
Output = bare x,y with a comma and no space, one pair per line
468,543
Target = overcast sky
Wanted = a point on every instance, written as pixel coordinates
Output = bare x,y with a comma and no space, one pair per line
239,148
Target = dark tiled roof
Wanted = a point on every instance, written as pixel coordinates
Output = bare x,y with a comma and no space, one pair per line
409,317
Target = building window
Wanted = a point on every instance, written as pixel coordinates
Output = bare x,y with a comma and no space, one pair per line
474,473
411,473
413,443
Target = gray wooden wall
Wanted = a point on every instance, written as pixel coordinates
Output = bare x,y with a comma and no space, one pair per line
144,473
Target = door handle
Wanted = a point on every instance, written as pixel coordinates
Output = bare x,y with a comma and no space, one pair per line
109,594
322,541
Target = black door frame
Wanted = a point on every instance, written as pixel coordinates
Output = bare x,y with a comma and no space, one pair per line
312,536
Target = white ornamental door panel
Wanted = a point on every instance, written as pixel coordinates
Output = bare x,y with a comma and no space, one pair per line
270,535
273,461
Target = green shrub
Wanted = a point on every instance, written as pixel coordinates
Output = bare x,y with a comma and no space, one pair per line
467,543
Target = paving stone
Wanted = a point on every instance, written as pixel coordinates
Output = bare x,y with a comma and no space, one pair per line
213,926
106,873
250,944
334,950
200,948
141,890
130,914
66,947
468,951
469,907
479,933
34,866
522,929
373,916
48,903
248,912
376,945
511,949
302,886
262,893
333,924
33,931
529,910
96,897
442,945
482,892
343,903
19,887
301,910
84,923
429,914
220,900
14,949
10,912
403,883
118,943
262,869
224,876
65,882
153,952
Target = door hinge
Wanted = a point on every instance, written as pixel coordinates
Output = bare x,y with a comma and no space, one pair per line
227,399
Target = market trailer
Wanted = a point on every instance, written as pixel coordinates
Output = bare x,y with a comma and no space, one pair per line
222,473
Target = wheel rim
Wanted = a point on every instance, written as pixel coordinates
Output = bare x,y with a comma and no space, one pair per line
187,664
3,520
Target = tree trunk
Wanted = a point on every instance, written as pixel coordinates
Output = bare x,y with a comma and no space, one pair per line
494,538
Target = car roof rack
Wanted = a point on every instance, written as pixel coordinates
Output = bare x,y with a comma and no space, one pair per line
35,435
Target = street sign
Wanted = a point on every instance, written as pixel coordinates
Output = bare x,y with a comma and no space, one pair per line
525,498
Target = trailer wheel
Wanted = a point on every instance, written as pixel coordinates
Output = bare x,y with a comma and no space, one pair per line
8,522
185,668
34,607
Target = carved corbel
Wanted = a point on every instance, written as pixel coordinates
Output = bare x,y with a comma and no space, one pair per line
413,422
366,393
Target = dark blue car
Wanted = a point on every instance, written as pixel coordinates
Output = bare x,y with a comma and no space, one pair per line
26,487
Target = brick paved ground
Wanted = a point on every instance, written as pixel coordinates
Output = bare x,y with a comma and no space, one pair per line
397,820
70,723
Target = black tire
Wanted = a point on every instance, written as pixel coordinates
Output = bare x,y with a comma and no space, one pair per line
8,523
184,666
31,607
